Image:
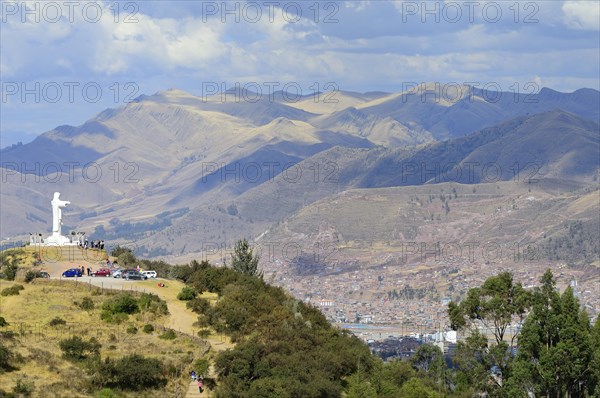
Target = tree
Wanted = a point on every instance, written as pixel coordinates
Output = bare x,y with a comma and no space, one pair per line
472,363
595,363
456,316
556,346
76,348
360,388
414,388
494,305
429,359
243,260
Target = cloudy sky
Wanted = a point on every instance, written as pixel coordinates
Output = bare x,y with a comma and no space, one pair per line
61,62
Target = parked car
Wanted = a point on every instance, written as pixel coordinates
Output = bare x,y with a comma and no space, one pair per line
132,274
149,274
101,272
43,274
72,272
117,273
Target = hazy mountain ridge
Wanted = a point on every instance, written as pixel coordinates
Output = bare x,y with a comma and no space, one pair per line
334,171
174,150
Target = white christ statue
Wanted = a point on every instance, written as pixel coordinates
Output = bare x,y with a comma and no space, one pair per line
56,238
57,205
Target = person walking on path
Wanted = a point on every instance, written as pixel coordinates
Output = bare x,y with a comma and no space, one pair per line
200,386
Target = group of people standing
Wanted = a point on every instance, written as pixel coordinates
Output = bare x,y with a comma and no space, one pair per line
95,244
200,380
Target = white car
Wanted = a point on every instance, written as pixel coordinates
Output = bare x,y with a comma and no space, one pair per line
149,274
117,273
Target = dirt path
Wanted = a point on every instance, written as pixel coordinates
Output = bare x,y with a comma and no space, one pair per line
193,392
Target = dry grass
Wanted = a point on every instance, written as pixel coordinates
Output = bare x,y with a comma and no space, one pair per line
24,256
37,342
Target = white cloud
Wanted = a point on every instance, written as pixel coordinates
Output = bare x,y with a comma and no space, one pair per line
164,43
370,48
357,5
582,14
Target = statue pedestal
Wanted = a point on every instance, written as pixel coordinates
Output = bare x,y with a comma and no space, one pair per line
59,240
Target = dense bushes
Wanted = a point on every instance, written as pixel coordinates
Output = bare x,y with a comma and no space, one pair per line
6,358
118,308
57,321
198,305
152,303
169,334
133,372
284,347
12,291
124,303
86,304
31,275
213,279
9,269
148,328
187,293
75,348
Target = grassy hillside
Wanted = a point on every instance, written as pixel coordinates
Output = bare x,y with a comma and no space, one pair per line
67,339
46,312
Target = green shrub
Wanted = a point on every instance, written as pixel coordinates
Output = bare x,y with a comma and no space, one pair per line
9,271
57,321
187,293
86,304
152,303
6,358
133,372
107,393
199,305
132,329
201,366
117,318
203,333
12,291
116,309
3,322
76,348
124,303
148,328
23,388
168,335
118,250
31,275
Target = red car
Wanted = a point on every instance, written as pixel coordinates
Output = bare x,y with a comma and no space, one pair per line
101,272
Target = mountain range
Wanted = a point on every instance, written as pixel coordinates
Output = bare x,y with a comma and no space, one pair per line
173,173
